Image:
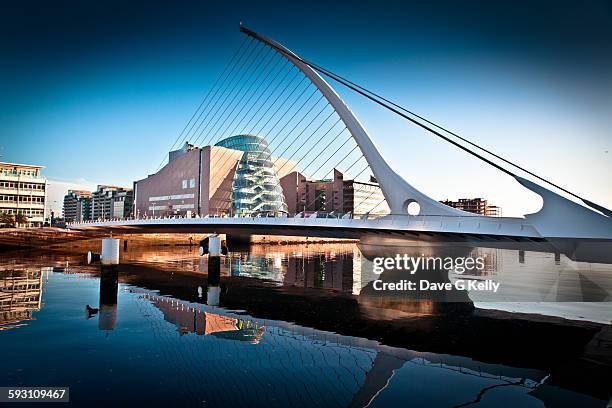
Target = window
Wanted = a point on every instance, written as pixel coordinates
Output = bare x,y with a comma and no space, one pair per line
192,183
184,183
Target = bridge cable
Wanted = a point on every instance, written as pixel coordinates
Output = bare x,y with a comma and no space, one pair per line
354,178
316,143
279,132
215,108
286,112
225,153
265,101
355,88
299,122
303,130
394,108
334,139
201,136
272,104
281,105
229,63
203,118
335,167
293,116
247,102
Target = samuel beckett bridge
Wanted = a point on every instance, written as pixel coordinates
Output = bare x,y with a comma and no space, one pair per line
284,155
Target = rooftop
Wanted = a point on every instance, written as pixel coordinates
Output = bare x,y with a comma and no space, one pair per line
20,166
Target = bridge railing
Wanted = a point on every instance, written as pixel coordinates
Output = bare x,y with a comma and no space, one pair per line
369,217
434,223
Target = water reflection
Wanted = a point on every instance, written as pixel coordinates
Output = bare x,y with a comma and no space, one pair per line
526,272
107,310
109,284
20,296
298,366
204,353
190,319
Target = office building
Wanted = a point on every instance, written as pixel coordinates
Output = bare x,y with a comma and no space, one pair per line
475,205
109,202
77,206
23,190
237,176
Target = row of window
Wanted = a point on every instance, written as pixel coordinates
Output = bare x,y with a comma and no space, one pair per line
27,213
22,186
22,199
13,172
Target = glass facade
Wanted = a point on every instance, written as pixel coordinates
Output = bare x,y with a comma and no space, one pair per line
256,189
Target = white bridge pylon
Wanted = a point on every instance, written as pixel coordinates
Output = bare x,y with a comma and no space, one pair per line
397,191
558,217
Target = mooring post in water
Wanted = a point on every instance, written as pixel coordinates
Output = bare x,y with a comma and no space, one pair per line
214,270
109,285
109,282
110,251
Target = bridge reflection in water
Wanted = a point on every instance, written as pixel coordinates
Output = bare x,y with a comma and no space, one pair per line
306,367
529,274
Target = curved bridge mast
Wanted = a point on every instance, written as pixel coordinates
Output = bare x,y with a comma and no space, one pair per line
558,217
397,191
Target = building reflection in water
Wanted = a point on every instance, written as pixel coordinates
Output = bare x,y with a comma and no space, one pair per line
189,319
526,272
20,295
308,365
326,266
207,351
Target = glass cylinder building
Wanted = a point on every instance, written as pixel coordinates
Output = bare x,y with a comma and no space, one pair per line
256,189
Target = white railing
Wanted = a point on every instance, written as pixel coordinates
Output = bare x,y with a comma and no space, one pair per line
418,223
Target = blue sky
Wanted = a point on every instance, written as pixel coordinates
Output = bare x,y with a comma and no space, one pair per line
98,93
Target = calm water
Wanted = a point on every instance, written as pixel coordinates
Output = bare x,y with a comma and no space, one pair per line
286,326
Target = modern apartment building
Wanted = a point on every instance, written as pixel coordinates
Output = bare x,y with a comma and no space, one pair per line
337,195
476,206
77,206
23,190
109,202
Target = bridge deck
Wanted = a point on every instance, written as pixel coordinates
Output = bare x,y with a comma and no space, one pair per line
512,228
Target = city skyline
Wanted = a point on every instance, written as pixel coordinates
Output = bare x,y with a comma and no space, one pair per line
117,89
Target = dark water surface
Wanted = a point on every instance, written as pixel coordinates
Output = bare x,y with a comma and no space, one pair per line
285,327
